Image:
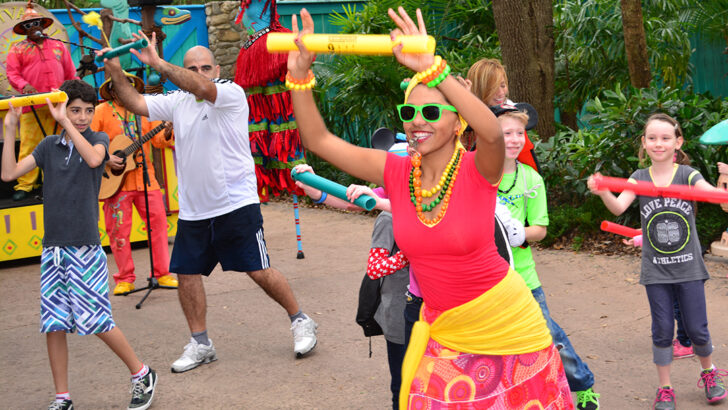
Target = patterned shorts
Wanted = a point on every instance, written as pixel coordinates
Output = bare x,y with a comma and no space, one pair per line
74,290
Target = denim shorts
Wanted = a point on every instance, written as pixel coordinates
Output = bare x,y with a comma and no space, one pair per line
74,290
235,240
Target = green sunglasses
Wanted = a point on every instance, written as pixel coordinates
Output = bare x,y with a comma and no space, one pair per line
430,112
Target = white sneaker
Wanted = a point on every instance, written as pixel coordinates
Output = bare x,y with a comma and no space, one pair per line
304,335
194,355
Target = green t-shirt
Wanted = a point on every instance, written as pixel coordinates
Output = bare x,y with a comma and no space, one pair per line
526,199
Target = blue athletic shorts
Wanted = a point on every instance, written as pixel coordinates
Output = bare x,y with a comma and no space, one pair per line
235,240
74,290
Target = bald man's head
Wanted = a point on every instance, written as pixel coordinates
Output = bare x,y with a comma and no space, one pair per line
201,60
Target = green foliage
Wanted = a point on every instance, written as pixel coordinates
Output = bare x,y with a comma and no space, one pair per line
590,53
708,17
711,221
577,219
362,91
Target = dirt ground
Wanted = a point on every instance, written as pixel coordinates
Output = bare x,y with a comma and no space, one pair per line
595,298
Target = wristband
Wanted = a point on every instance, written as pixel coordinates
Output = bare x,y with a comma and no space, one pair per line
322,199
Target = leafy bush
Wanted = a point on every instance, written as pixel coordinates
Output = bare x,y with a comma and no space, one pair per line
609,144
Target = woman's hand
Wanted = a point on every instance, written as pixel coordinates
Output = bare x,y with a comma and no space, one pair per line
13,116
299,62
415,62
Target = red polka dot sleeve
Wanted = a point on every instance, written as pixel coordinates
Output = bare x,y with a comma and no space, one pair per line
382,264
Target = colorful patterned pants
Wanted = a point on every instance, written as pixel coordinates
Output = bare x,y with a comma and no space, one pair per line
30,136
117,215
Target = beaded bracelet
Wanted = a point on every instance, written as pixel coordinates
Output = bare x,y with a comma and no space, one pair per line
300,85
435,82
434,75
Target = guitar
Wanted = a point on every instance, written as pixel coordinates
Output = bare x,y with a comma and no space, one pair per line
111,182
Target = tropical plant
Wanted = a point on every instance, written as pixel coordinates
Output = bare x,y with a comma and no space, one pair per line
362,91
590,53
708,17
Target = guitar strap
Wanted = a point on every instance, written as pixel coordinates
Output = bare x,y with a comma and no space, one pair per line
128,125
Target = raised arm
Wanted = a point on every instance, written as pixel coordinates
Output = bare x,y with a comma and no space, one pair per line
183,78
129,96
364,163
11,169
491,149
94,155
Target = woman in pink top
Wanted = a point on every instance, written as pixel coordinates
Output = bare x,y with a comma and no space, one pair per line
481,340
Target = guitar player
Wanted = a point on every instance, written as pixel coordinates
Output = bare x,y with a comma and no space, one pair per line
113,119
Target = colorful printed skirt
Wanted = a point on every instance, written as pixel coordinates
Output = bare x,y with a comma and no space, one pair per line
446,379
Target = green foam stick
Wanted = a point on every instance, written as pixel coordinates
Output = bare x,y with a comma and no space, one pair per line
115,52
332,188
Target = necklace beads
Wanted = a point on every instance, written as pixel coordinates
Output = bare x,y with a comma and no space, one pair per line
443,189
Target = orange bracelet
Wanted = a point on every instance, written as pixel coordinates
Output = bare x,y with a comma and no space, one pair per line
300,85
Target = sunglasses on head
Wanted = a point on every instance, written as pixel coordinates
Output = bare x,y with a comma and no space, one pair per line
430,112
30,24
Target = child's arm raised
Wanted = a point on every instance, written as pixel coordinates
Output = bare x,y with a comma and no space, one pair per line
616,204
11,169
93,155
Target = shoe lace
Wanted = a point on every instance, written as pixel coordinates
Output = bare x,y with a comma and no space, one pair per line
301,329
587,396
712,378
667,395
137,390
56,406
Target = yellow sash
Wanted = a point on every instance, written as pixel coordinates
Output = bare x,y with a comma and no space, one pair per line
505,320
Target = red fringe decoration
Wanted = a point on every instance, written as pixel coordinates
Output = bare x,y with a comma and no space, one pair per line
256,67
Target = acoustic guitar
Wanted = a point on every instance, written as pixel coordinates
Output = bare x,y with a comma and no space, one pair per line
111,182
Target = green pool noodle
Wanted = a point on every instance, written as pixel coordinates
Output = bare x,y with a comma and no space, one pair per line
716,135
332,188
115,52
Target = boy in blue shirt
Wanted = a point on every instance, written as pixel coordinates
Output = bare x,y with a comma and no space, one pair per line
74,275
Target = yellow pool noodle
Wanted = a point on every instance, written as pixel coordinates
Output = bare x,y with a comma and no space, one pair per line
33,99
362,44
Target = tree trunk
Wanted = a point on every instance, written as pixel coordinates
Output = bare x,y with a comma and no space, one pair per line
525,30
635,44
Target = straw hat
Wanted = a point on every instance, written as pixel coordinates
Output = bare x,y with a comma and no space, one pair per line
105,89
31,15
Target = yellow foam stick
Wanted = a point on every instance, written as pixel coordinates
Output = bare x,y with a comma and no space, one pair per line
363,44
33,99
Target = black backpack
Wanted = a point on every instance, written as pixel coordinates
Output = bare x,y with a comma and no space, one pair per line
369,298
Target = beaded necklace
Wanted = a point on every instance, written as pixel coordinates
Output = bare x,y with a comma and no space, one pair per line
515,178
128,127
443,189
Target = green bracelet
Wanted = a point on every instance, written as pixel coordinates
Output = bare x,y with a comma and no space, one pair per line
434,83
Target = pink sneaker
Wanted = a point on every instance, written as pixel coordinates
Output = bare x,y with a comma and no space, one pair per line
679,351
